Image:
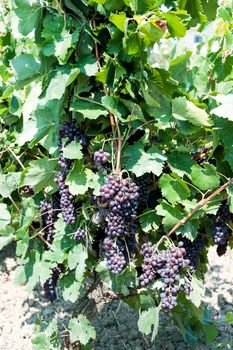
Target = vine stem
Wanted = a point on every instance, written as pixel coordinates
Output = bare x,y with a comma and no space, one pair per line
113,120
201,204
16,157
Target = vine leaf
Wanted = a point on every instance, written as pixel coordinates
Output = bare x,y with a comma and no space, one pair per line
198,291
29,15
224,110
81,330
73,151
88,108
119,20
76,260
149,220
147,320
26,67
40,174
186,110
8,183
205,177
173,189
5,216
140,162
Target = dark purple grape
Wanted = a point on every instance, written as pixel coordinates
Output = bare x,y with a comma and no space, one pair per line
49,211
221,231
80,234
51,283
69,132
101,156
167,265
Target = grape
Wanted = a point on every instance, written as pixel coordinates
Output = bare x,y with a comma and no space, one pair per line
167,265
101,156
80,234
69,132
193,250
115,257
48,210
51,283
144,184
120,197
67,203
221,249
221,231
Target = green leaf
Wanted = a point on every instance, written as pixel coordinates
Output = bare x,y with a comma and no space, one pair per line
149,320
4,241
194,8
149,220
182,109
8,183
211,333
71,288
80,179
140,162
26,67
119,20
171,215
175,26
5,216
88,65
73,151
29,14
123,282
40,174
81,330
77,260
173,189
88,108
180,163
198,291
205,177
225,108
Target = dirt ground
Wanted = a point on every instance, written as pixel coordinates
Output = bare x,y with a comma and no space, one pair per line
115,322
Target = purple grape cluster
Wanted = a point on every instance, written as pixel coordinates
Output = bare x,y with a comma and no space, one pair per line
167,265
80,234
101,156
120,197
67,202
68,132
193,250
144,184
116,261
221,231
48,211
51,283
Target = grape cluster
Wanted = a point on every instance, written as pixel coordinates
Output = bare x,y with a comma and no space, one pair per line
80,234
221,231
120,197
51,283
48,210
144,183
115,256
193,250
167,265
67,202
68,132
101,156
